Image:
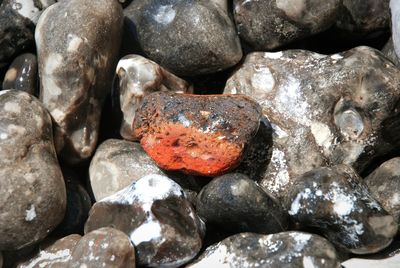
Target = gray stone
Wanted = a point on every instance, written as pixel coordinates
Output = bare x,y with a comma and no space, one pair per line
337,203
105,247
390,53
158,219
270,24
390,262
395,14
186,37
22,74
77,53
324,110
286,250
384,185
32,190
137,78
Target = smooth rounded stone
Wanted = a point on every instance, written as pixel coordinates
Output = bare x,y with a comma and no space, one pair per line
32,190
390,53
138,77
158,219
324,110
335,201
53,255
22,74
384,185
390,262
196,134
237,204
186,37
105,247
17,26
77,54
286,250
268,24
364,16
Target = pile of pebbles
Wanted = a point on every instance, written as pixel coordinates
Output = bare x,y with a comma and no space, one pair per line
183,133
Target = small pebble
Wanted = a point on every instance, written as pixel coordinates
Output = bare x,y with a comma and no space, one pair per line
22,74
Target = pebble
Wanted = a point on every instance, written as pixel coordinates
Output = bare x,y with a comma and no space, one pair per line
78,43
186,37
138,77
395,15
335,201
390,53
391,262
286,249
22,74
237,204
266,25
104,247
157,217
32,190
320,111
199,135
384,185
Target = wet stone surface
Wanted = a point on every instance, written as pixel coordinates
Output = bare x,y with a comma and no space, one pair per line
236,204
22,74
336,202
286,249
158,219
32,190
201,135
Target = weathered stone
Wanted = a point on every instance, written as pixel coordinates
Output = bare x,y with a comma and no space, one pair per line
201,135
270,24
77,54
287,249
324,110
395,14
384,185
186,37
22,74
158,219
336,202
53,255
390,53
390,262
237,204
32,190
138,77
105,247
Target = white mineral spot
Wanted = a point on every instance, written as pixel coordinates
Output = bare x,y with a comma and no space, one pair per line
390,262
91,243
295,206
12,107
17,130
52,62
58,115
112,257
240,188
104,246
308,262
343,205
148,231
273,55
27,9
30,213
11,74
280,173
279,132
185,122
3,136
263,80
74,44
165,14
336,57
216,256
322,134
29,177
45,259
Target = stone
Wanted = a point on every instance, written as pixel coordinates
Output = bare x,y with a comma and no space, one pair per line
56,254
286,249
199,135
105,247
384,185
395,15
266,25
1,255
324,110
237,204
390,262
138,77
364,16
390,53
157,217
336,202
22,74
17,25
186,37
77,54
32,190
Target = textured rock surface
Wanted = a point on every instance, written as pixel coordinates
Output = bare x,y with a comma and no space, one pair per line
390,262
138,77
336,202
203,135
287,249
235,203
22,74
384,185
54,255
32,190
186,37
158,219
105,247
269,24
76,55
390,53
323,109
395,14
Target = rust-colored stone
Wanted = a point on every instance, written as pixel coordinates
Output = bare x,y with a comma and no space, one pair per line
196,134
